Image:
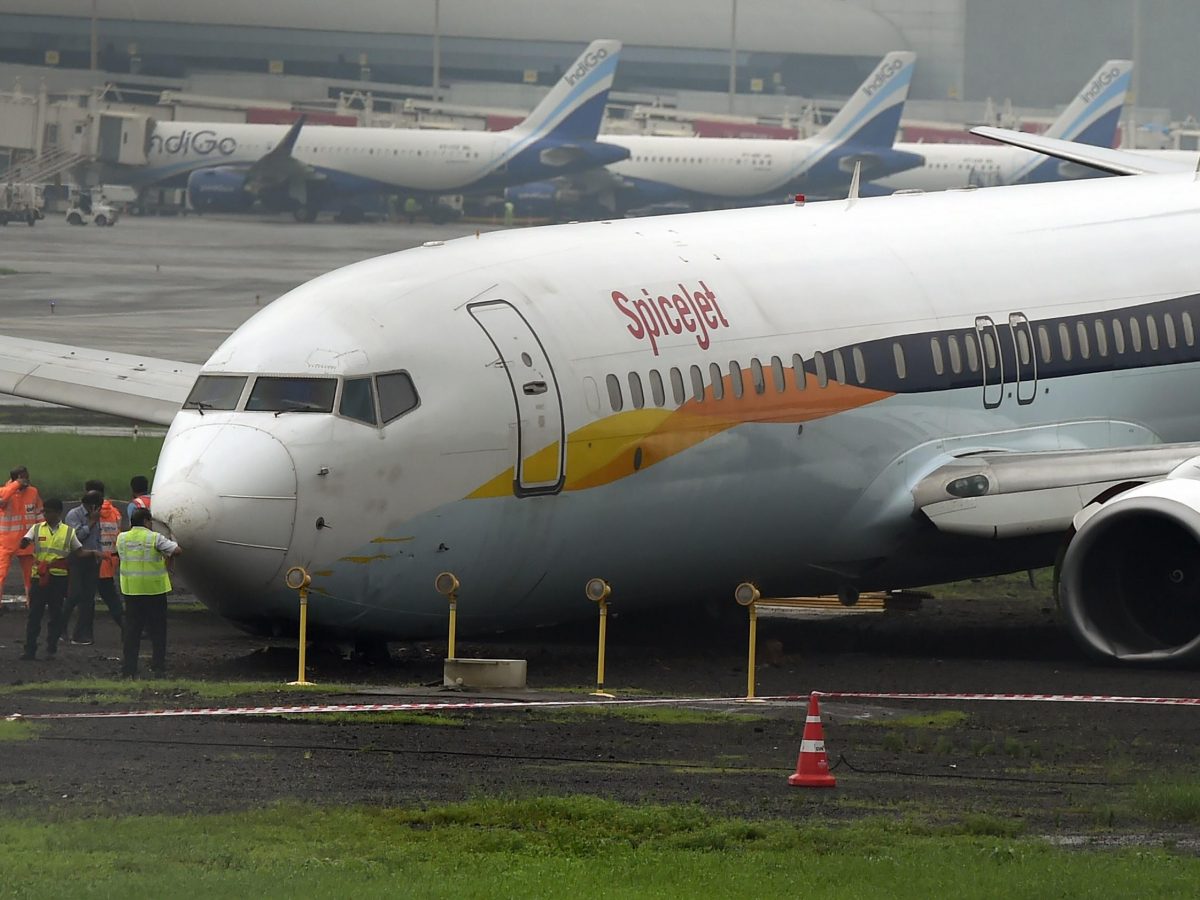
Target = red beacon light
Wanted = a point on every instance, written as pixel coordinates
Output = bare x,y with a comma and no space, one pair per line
799,199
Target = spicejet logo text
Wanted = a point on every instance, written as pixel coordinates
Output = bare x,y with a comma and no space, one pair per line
589,62
203,142
651,317
884,76
1101,81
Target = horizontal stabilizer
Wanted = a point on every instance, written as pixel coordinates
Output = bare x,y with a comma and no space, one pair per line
1115,162
120,384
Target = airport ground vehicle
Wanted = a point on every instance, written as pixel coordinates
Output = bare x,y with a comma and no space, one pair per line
20,203
85,210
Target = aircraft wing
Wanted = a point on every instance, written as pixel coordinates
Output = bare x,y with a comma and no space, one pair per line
137,387
1116,162
279,169
1004,494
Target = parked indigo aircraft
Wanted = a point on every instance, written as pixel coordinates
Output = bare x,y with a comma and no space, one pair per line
1091,118
744,171
834,397
308,168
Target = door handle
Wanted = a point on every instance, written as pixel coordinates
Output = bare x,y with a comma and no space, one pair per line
533,388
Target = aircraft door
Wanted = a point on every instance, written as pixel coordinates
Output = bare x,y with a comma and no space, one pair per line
1025,357
991,362
540,464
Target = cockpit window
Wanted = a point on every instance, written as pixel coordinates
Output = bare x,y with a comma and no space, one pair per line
215,392
397,395
358,400
281,394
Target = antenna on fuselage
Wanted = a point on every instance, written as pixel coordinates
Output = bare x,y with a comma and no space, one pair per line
854,180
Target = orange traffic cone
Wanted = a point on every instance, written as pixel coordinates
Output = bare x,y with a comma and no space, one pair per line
812,768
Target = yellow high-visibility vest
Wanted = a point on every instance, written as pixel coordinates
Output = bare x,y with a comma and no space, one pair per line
143,569
53,546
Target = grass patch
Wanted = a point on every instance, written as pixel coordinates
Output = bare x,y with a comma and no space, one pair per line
379,718
939,721
1175,801
568,847
113,690
649,715
5,270
60,463
17,730
1014,586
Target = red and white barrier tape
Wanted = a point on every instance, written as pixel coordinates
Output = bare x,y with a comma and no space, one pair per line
465,705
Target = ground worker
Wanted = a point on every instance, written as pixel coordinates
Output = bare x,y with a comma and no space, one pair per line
145,584
52,542
97,523
20,510
139,485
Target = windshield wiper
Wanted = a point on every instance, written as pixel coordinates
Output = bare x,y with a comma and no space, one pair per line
298,405
200,405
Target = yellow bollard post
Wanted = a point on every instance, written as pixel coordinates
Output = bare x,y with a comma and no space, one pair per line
298,580
447,585
747,595
598,591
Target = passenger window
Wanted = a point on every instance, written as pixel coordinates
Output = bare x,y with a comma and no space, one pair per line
777,375
1189,336
822,371
972,344
989,350
955,353
1081,332
1151,332
718,381
1101,338
656,388
839,367
1169,329
860,365
756,376
216,392
697,384
358,400
1024,351
615,400
935,347
1135,335
276,394
798,372
1044,343
1118,336
1064,338
397,395
901,364
677,389
735,379
636,396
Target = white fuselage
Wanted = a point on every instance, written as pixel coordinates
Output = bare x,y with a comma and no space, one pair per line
390,158
679,404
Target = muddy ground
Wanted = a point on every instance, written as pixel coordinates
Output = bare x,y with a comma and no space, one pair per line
1057,769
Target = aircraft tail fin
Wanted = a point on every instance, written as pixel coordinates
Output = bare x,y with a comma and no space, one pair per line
872,116
574,107
1092,117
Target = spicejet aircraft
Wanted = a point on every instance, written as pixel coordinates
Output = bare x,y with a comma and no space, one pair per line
853,395
1091,118
748,170
310,167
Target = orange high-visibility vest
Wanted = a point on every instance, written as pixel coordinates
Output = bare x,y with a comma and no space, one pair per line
110,527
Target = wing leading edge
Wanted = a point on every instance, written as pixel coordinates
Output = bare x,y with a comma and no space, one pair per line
1010,494
121,384
1116,162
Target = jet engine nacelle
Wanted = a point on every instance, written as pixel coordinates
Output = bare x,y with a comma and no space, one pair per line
1130,579
219,189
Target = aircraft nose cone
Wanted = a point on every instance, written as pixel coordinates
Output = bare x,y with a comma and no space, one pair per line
227,494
